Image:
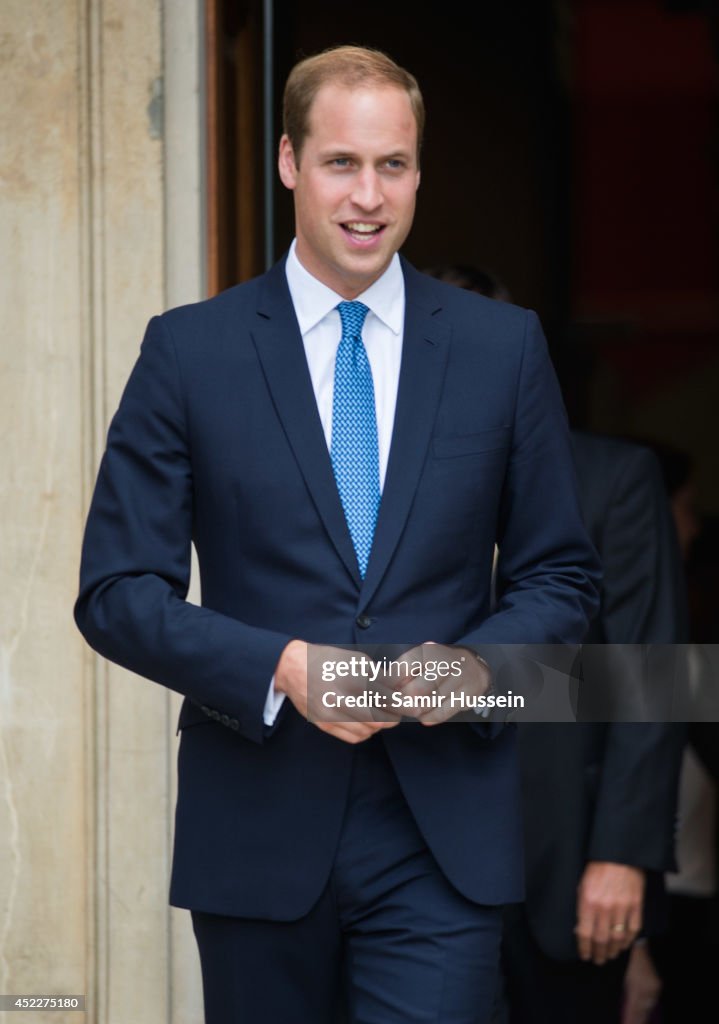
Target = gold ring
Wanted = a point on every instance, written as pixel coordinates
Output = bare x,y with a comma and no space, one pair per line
618,928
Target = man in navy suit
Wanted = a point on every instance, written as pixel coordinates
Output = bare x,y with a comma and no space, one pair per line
348,854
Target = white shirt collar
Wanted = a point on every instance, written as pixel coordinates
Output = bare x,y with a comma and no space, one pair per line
313,300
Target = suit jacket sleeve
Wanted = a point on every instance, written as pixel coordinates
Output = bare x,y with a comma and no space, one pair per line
643,601
643,594
547,571
635,816
136,557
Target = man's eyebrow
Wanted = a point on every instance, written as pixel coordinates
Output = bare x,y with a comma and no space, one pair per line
332,154
348,154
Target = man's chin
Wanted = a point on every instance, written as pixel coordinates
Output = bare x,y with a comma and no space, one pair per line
358,274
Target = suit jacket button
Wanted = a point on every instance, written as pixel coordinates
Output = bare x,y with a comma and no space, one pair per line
234,724
215,714
363,621
225,719
205,709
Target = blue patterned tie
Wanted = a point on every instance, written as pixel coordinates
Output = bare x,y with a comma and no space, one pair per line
354,449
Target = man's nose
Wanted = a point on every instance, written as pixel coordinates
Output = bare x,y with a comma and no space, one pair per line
367,191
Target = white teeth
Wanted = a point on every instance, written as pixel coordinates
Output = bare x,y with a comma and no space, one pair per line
360,228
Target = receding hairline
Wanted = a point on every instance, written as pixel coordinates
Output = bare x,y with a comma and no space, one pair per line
348,67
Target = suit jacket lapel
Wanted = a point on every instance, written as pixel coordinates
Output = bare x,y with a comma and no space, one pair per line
279,346
425,348
424,355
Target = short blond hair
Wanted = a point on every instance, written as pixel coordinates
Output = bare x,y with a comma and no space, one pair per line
348,66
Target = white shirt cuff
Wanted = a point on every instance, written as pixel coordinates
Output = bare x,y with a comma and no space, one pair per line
272,705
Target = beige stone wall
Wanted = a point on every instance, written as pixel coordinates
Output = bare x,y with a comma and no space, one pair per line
90,199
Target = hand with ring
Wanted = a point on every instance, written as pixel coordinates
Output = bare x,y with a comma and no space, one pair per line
610,899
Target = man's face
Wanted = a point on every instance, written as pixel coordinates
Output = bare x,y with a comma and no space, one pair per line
356,184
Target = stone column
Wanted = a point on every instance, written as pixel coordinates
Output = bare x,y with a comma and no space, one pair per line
91,200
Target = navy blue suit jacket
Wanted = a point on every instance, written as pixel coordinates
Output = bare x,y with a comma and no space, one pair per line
218,440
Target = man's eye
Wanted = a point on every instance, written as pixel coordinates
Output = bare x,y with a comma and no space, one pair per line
395,164
341,161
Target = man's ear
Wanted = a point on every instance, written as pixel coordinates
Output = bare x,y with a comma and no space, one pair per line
286,163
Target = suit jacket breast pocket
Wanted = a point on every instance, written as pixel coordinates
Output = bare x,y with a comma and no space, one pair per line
484,442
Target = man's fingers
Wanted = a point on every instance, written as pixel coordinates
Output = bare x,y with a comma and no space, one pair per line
431,683
606,940
584,933
352,732
623,931
610,941
609,909
601,936
634,920
595,942
624,924
451,684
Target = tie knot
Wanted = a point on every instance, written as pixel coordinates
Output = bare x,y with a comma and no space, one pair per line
352,315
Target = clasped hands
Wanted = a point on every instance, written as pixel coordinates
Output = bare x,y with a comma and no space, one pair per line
352,706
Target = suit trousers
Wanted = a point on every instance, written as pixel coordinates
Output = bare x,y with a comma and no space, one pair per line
390,941
541,990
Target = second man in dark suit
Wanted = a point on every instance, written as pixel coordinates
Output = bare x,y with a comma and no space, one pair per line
600,798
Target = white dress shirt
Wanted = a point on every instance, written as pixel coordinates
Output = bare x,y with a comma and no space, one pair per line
319,321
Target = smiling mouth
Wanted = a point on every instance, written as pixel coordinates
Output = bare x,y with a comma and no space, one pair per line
360,231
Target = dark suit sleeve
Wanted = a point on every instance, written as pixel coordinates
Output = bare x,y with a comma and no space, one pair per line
643,594
547,571
136,557
643,601
635,816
